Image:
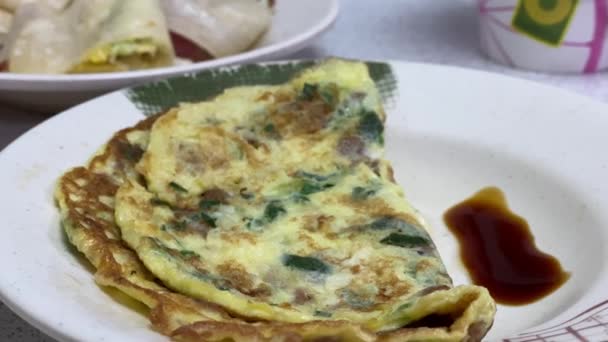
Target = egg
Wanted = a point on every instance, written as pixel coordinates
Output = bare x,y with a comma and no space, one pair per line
268,194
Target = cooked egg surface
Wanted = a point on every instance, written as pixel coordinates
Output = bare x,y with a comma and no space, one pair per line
275,203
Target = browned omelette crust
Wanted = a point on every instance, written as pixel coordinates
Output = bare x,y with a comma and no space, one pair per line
450,325
85,197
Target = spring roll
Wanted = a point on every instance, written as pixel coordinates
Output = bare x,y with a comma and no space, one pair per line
88,36
9,5
5,23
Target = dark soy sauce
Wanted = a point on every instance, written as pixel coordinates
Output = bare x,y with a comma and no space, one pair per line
498,250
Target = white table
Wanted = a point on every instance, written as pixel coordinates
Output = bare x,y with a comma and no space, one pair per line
431,31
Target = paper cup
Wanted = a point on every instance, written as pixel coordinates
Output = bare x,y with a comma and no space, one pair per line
546,35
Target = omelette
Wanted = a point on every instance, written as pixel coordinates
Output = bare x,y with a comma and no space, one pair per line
268,213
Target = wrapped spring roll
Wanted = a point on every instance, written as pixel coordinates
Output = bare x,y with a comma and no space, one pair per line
7,9
5,23
88,36
221,27
9,5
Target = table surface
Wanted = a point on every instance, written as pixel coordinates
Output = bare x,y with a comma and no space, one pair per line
438,31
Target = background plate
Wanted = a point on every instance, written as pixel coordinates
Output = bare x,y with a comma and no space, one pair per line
289,32
450,132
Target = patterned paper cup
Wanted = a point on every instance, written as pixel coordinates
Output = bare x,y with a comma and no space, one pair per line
546,35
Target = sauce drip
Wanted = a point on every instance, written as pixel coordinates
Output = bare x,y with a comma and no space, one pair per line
499,252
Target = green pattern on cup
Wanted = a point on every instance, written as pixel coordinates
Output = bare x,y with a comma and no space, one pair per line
544,20
159,96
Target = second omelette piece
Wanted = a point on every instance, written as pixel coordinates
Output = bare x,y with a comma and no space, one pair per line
275,203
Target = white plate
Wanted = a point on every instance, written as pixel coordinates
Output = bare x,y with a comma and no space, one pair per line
294,25
450,132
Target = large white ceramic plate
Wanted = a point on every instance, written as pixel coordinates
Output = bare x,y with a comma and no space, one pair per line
295,24
450,132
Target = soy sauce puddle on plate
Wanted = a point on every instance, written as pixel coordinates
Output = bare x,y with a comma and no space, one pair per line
498,250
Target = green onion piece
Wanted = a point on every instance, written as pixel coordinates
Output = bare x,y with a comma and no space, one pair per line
360,193
308,264
177,187
401,240
157,201
320,313
371,128
273,210
208,204
308,92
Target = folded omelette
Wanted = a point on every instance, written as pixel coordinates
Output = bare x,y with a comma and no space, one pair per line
268,214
